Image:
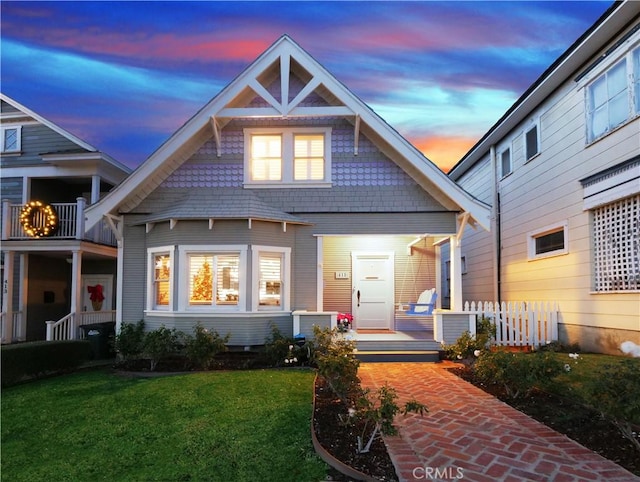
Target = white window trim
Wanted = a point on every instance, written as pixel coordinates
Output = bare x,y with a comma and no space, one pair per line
533,235
501,152
19,135
627,57
151,252
287,134
183,276
286,274
534,125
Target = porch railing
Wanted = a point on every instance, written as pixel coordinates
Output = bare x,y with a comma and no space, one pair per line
521,323
67,329
16,327
70,224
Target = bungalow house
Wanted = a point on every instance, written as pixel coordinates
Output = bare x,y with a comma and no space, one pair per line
561,170
284,201
51,265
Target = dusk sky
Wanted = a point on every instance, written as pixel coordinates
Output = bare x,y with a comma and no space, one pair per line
124,76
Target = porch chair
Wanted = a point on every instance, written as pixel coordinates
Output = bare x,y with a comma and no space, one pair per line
425,304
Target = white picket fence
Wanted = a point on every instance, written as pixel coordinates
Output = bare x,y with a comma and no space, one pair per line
520,323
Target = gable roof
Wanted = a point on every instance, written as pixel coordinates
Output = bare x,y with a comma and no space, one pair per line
617,18
83,146
280,60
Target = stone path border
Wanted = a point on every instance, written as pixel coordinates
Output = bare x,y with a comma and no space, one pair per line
468,435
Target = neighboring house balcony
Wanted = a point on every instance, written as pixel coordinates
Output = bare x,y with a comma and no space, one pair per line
67,219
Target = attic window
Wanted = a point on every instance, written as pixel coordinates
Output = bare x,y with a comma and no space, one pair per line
11,139
287,157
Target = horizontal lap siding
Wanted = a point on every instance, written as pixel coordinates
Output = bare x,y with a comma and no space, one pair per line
243,330
477,245
134,276
546,191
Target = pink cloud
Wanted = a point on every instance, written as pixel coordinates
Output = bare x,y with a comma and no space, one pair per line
444,151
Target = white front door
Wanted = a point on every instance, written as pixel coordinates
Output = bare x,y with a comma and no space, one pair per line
93,280
373,290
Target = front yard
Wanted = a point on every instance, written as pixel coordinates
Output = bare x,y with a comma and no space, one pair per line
214,426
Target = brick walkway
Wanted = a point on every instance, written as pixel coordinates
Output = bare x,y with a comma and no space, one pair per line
469,435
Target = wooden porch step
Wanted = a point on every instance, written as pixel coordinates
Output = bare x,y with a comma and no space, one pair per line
382,356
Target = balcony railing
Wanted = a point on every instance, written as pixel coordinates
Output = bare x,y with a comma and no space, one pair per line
70,224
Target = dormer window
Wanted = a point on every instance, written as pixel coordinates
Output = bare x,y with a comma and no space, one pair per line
11,139
292,157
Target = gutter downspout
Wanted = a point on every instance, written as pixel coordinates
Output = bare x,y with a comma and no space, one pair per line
496,228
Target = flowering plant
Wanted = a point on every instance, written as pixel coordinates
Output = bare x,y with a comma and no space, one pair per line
344,322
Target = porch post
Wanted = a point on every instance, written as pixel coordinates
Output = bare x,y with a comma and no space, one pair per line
81,203
319,274
456,273
6,219
7,297
438,275
76,291
119,283
95,189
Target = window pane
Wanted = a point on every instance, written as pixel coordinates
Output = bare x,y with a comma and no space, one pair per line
266,158
227,270
270,269
506,162
550,242
200,279
308,157
598,93
636,70
162,272
11,139
532,142
599,122
616,79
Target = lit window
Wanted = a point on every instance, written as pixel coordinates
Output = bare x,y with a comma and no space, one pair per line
505,162
295,157
531,143
308,157
209,274
11,139
161,280
270,279
266,158
549,241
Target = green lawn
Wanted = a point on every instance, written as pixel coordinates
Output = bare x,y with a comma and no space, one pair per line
208,426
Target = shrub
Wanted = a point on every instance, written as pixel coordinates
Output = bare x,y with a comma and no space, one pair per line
614,390
202,348
467,344
378,413
559,347
518,373
336,362
159,344
129,340
283,350
35,359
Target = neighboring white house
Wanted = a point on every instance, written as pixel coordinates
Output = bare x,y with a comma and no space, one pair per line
50,264
562,171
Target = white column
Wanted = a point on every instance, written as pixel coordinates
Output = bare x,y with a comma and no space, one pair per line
7,297
438,275
6,219
80,205
319,274
95,189
76,290
456,273
119,283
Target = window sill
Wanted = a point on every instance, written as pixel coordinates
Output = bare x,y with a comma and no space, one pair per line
286,185
548,255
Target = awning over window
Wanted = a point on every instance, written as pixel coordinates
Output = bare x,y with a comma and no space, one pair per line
616,182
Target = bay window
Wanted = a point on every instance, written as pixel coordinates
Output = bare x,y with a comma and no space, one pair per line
213,279
160,273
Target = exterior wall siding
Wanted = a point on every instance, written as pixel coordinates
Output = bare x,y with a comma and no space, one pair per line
546,191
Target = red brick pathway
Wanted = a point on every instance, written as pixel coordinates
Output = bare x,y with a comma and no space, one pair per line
468,435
